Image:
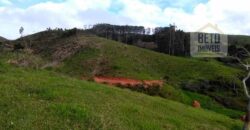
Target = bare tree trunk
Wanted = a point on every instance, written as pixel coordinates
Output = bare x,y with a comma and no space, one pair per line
247,120
247,66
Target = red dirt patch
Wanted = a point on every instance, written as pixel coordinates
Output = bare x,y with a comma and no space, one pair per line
243,118
128,83
196,104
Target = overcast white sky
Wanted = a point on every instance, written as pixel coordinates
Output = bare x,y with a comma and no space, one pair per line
231,16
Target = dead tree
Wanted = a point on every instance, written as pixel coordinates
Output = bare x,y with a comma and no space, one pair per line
245,53
247,120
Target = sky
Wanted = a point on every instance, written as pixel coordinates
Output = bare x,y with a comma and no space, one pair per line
230,16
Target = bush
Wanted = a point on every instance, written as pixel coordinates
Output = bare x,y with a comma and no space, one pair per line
18,46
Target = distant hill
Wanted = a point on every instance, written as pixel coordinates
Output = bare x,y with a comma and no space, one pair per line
2,39
162,38
239,40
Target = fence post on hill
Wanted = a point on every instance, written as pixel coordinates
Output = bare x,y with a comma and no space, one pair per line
247,120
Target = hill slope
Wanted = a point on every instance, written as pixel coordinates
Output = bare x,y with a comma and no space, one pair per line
82,56
39,99
2,39
123,60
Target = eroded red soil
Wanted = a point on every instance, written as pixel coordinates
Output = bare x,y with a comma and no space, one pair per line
126,82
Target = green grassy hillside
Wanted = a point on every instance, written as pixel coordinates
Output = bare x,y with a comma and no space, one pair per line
83,56
129,61
40,99
87,55
105,57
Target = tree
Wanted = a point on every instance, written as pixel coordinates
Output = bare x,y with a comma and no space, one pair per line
243,54
162,38
21,31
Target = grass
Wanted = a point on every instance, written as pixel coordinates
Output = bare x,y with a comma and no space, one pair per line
81,64
128,61
67,103
40,99
112,58
206,102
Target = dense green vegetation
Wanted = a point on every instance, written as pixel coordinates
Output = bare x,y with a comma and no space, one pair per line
208,103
